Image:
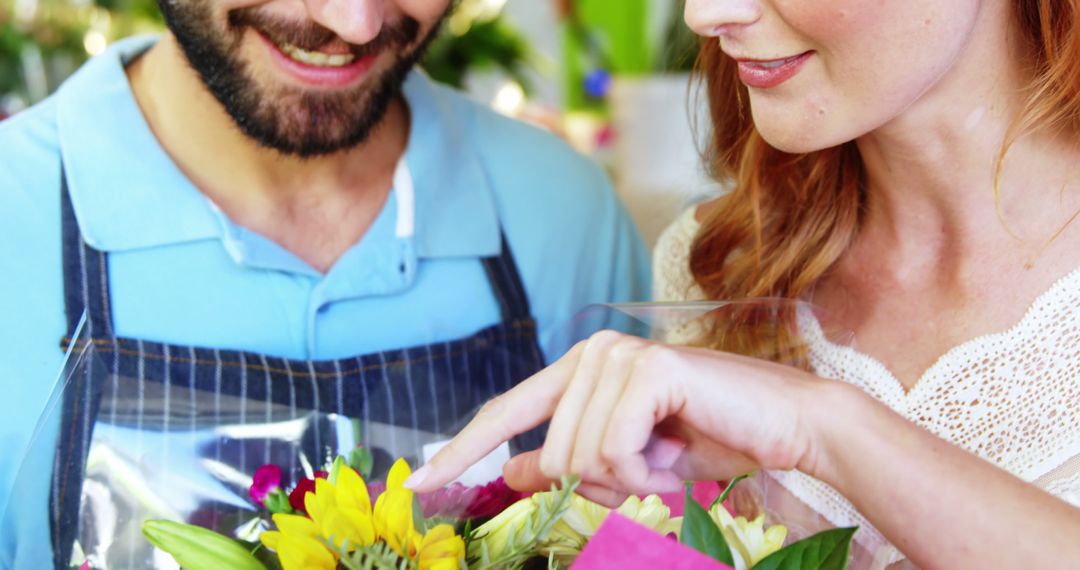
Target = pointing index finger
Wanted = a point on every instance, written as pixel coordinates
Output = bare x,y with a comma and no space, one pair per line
517,411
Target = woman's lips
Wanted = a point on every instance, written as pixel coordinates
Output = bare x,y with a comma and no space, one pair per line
763,74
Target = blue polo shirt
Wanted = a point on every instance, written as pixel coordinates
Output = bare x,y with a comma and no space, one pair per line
183,273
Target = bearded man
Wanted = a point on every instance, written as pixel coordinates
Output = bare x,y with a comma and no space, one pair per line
268,218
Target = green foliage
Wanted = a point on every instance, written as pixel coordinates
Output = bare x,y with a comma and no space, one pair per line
824,551
56,31
491,45
362,460
378,556
278,502
700,532
11,42
523,544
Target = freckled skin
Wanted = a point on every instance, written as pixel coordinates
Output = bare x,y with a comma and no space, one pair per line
873,60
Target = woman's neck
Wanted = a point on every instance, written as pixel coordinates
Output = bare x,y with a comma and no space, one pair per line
938,191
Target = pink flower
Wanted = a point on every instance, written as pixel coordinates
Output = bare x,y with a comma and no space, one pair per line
266,480
296,497
460,502
375,489
452,501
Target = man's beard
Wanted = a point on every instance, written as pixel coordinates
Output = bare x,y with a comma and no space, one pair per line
287,119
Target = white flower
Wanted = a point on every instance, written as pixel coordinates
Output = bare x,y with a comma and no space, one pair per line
584,517
504,532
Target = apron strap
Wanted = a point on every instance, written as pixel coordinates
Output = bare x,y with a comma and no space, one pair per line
86,274
502,273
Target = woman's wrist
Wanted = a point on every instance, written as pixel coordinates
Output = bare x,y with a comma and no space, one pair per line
839,412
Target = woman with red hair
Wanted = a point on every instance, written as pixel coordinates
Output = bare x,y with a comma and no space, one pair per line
912,170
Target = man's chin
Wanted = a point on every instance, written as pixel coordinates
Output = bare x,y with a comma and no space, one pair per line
311,125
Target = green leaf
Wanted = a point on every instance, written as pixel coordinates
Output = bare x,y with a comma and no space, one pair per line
378,556
362,460
701,533
419,521
727,491
824,551
335,469
197,548
278,502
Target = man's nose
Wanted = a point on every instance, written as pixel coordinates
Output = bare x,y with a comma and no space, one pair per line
355,21
712,18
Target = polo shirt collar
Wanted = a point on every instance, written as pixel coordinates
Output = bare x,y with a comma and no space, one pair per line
456,213
128,194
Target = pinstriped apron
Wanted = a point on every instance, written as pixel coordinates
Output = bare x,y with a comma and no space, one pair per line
152,430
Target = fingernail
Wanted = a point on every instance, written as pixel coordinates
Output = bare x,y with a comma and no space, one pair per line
418,477
663,454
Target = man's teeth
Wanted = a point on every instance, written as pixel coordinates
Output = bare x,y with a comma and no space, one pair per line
316,58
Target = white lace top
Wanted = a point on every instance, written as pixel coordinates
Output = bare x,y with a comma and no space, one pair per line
1013,397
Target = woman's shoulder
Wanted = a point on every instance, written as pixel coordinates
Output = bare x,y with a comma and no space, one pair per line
672,280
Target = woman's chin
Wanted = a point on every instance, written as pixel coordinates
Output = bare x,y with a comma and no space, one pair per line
797,139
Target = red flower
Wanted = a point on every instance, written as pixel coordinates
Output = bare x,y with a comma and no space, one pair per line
266,480
492,499
296,497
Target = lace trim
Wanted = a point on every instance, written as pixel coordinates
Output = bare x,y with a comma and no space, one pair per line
1067,489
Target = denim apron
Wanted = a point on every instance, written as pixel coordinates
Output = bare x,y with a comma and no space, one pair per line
153,430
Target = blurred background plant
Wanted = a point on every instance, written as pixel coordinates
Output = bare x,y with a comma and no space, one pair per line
44,41
620,38
477,37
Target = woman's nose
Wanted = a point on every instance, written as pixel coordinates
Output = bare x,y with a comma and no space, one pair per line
712,18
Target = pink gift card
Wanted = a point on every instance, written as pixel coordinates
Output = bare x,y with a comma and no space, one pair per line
624,544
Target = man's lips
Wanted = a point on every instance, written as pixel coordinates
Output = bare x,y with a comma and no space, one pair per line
334,68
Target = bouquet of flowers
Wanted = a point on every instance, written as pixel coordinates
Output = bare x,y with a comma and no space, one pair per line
283,466
337,520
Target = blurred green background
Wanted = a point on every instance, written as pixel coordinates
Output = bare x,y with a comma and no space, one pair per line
43,41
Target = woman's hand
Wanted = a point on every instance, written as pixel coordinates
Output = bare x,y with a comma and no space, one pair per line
633,416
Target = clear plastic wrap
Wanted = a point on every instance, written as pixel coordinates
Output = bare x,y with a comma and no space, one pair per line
186,449
189,453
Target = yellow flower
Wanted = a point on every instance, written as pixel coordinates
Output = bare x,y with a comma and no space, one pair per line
584,518
297,544
499,533
651,513
750,542
393,515
440,549
341,510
